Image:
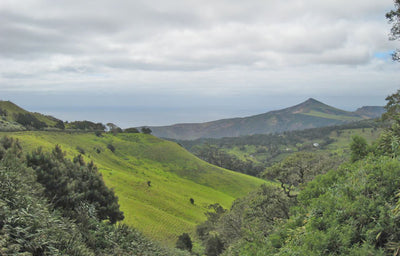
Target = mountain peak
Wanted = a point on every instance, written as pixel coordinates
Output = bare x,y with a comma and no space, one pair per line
307,106
313,101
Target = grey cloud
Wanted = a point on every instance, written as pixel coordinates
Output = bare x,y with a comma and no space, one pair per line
185,45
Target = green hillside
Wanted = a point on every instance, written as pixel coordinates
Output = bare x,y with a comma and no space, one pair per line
309,114
162,210
9,117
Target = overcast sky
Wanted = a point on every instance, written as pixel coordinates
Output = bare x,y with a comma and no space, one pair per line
161,62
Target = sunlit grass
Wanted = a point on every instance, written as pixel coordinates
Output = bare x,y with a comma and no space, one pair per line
162,210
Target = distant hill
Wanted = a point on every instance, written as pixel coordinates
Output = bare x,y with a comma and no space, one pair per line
13,117
370,111
309,114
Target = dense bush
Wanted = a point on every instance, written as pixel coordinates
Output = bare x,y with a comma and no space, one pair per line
87,126
218,157
29,121
68,183
27,222
131,130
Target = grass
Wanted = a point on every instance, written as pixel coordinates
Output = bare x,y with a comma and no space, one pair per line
331,116
12,110
163,210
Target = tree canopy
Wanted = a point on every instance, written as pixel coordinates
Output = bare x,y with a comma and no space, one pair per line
394,18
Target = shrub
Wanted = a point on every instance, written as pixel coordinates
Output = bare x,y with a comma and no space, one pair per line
184,242
131,130
111,147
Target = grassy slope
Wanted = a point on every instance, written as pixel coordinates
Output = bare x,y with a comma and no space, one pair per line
163,210
332,116
12,109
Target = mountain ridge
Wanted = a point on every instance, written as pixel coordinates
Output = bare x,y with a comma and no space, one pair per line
308,114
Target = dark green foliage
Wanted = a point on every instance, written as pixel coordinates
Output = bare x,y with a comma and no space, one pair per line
214,246
392,107
111,147
297,169
80,150
205,229
3,112
394,17
252,217
345,211
114,129
8,142
213,155
389,141
98,133
146,130
87,126
60,125
184,242
131,130
359,148
69,183
28,226
29,121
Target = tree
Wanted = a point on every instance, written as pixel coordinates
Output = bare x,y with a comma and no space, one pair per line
131,130
394,17
184,242
111,147
69,183
60,125
253,217
359,148
204,229
214,246
3,112
114,129
297,169
87,125
389,141
146,130
29,121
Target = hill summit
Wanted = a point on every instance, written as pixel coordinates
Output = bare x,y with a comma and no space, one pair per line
308,114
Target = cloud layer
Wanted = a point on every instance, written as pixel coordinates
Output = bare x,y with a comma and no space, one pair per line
197,47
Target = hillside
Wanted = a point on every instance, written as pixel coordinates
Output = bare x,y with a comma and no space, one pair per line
13,117
371,111
309,114
160,209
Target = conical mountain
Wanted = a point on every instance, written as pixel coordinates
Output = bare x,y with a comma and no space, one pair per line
309,114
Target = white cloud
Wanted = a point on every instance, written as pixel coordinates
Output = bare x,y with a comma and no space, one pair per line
227,47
